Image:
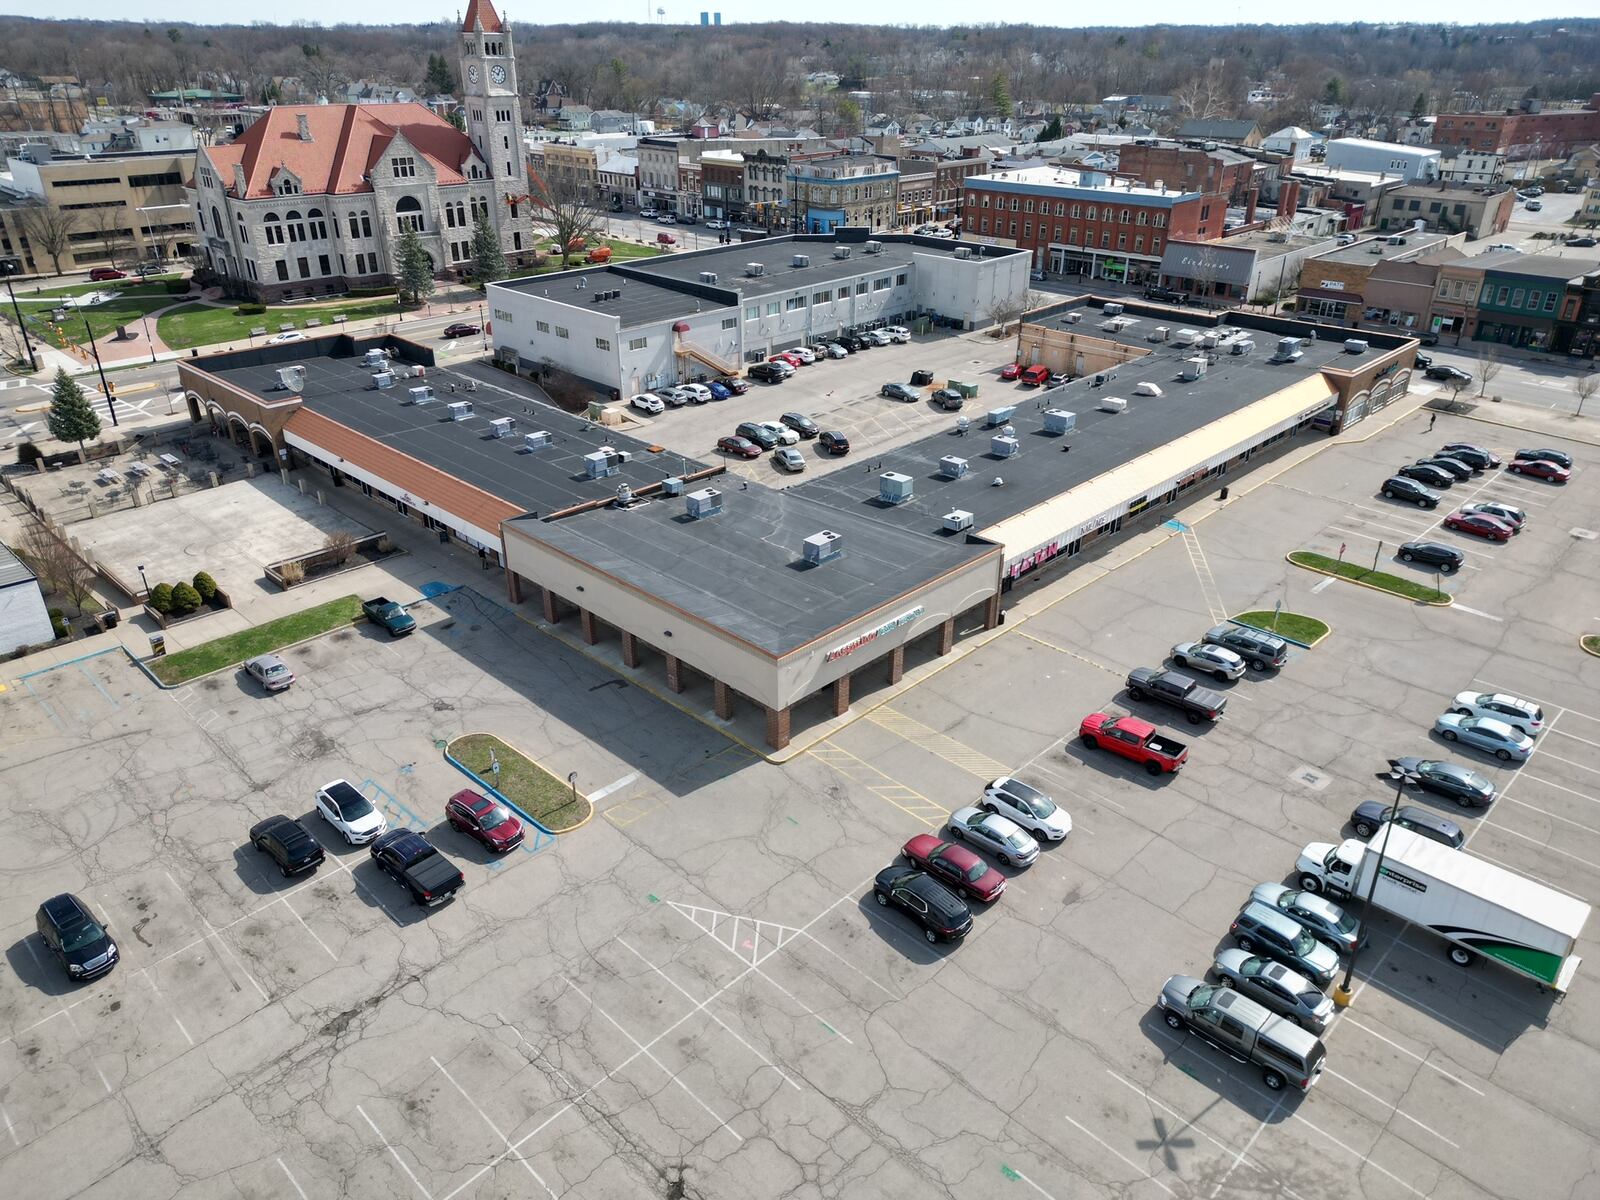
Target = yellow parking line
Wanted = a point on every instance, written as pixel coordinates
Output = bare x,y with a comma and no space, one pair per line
908,800
1083,658
948,748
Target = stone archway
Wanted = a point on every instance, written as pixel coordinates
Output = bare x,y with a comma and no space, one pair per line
261,444
238,430
197,407
219,419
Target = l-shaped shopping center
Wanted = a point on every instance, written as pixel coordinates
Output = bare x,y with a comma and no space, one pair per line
793,598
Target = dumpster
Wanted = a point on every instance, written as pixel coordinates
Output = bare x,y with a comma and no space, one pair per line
921,378
968,391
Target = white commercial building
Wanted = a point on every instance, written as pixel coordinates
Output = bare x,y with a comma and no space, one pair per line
23,618
1413,164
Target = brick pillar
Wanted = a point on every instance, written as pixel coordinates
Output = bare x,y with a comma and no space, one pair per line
630,650
513,586
722,699
991,611
897,664
591,635
552,606
674,674
778,728
841,695
947,637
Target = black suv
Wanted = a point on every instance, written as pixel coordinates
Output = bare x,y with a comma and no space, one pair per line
1260,650
1474,456
1371,815
288,843
801,424
1450,466
943,915
765,372
1169,295
1434,554
759,434
1398,487
82,943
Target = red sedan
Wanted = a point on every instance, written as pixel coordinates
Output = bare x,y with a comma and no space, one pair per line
1480,525
955,866
486,821
1011,371
101,274
1540,469
743,447
794,360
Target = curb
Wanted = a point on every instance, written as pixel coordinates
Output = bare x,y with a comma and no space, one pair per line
172,687
1371,587
499,795
1285,636
1582,441
1586,649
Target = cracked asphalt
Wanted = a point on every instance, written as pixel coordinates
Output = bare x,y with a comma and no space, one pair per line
695,996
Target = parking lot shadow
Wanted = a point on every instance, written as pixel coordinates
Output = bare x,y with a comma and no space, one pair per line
34,968
377,890
1107,763
1231,1076
905,935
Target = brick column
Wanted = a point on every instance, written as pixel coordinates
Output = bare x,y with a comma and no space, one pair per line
778,728
991,611
586,619
630,650
841,695
674,674
722,699
947,637
552,606
513,586
897,664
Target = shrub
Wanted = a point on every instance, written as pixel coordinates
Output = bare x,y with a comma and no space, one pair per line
363,293
28,453
161,598
206,586
58,623
249,310
185,599
177,287
292,573
385,545
340,546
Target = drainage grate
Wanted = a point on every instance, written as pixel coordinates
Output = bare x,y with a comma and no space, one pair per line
1308,776
1587,535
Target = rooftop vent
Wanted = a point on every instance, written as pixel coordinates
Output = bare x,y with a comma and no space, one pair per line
1112,310
1288,350
1146,388
999,416
894,488
374,357
291,379
1072,318
502,427
1003,447
537,440
419,395
1159,334
1356,345
958,520
708,276
755,269
460,410
1186,337
624,495
382,380
1193,368
963,252
872,247
1278,235
707,502
952,467
800,260
1059,420
841,251
822,545
1112,404
672,486
1241,346
598,464
1209,340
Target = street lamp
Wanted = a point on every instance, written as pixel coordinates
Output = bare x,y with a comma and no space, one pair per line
144,580
1401,777
572,780
146,319
9,267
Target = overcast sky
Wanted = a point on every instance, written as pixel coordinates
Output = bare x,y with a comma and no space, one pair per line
927,12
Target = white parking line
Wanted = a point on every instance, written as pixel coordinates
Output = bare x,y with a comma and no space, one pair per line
1348,1019
1570,763
1245,1149
1394,1108
452,1079
310,930
10,1128
1188,1124
1558,786
27,944
151,980
1364,1158
293,1182
1475,612
1499,687
393,1152
614,786
212,932
1576,738
1343,533
1123,1158
1544,812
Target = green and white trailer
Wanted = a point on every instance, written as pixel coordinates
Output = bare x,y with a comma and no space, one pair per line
1480,909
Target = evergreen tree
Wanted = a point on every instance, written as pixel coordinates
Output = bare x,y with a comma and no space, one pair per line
415,268
71,419
438,81
1052,131
1000,95
488,263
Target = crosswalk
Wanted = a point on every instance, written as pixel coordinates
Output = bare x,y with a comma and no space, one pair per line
1208,582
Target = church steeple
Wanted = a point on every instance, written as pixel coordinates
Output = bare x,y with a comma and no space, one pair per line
489,83
482,18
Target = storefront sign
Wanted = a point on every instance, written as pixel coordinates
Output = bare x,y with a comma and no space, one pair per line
873,635
1332,285
1037,559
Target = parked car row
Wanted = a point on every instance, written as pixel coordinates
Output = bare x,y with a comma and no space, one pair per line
753,438
658,401
1037,375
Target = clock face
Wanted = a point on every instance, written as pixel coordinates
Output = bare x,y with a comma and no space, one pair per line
472,74
497,73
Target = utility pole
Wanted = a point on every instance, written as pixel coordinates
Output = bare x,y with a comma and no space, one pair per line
9,269
111,402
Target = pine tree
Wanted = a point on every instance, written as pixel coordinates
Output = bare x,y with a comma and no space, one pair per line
71,419
1000,95
1419,106
1052,131
488,263
415,268
439,81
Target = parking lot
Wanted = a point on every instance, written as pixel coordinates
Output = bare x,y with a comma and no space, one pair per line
694,995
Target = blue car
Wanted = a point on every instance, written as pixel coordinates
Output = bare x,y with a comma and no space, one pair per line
718,392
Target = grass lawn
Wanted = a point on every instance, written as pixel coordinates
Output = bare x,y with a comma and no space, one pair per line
1378,579
103,318
1292,625
524,782
631,249
1591,643
203,324
236,647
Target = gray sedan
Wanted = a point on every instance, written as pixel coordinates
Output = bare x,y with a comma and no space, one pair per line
1213,660
1000,836
1276,987
1324,918
270,671
1486,734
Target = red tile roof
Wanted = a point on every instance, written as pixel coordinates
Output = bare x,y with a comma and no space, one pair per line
346,140
482,16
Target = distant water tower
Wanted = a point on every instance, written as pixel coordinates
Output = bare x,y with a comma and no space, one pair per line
711,18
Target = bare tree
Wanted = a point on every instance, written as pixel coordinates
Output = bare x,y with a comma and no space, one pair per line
1004,310
109,231
1488,366
48,229
1585,386
341,544
55,562
569,208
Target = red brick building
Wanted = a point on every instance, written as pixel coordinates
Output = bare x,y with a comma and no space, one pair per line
1192,168
1085,223
1553,134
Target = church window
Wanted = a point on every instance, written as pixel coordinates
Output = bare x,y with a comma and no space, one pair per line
274,229
408,214
405,167
318,226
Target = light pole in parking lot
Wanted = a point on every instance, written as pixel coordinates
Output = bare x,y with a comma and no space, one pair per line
1342,994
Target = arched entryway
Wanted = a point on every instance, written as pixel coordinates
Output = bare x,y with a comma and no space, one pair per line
197,407
261,444
238,430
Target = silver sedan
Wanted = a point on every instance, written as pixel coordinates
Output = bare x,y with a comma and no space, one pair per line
1000,836
1217,661
1276,987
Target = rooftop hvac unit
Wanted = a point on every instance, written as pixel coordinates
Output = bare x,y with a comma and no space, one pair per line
1186,337
1288,350
598,464
383,380
1115,325
963,252
672,486
1241,346
999,416
420,395
374,357
894,488
1208,341
1356,345
952,467
800,260
962,426
537,440
707,502
502,427
1193,368
621,456
754,269
958,520
460,410
1003,447
822,545
1146,388
1159,334
1059,420
1278,235
1112,404
291,379
872,247
841,251
708,276
1112,310
1072,318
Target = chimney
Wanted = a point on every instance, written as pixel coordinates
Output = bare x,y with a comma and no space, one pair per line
1289,199
303,126
1250,205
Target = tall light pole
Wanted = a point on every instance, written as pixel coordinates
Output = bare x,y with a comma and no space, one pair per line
1341,994
111,401
9,268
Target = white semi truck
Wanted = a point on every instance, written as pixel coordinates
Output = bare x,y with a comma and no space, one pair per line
1479,908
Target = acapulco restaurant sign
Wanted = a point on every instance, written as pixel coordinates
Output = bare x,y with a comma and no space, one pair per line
873,635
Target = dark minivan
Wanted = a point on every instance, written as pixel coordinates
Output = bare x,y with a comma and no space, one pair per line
82,943
288,843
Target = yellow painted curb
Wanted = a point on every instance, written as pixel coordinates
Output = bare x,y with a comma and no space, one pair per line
535,762
1583,644
1307,616
1371,587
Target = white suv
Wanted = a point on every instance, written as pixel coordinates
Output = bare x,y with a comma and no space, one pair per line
898,333
698,393
1524,716
781,432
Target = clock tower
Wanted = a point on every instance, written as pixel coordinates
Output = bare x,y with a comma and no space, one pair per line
489,84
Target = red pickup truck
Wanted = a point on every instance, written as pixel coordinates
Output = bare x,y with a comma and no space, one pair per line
1135,739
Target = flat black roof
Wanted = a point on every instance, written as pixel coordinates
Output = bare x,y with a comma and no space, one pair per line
640,300
340,387
744,570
